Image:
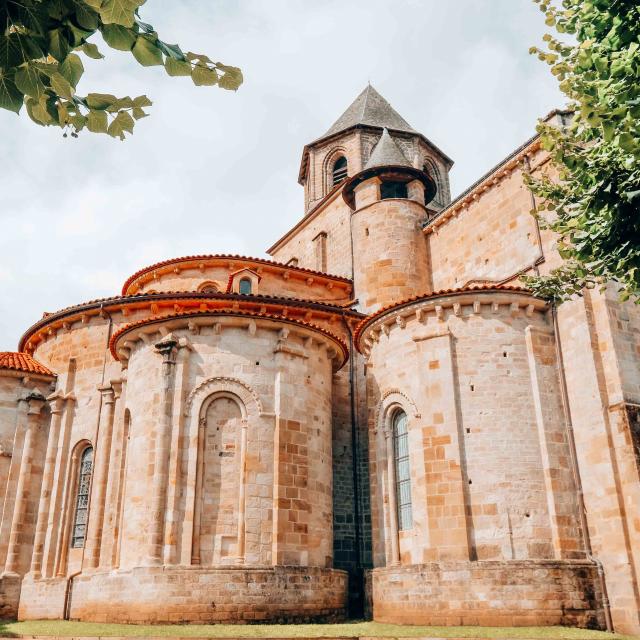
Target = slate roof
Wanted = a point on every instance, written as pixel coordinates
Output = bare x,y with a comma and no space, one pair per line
371,109
387,153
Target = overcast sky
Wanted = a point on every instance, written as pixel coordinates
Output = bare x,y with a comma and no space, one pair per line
214,171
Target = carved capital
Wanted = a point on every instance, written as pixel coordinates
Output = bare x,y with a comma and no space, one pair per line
167,349
36,401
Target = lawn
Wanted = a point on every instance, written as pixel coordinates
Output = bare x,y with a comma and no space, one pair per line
348,630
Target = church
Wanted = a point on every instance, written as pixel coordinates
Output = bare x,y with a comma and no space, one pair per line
379,420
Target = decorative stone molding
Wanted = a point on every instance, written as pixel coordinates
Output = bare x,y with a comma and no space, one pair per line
463,303
389,398
222,384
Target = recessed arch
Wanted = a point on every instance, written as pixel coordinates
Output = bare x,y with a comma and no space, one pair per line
209,286
82,473
217,384
432,169
328,164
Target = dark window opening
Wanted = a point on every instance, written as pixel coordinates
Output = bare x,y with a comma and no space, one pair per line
245,286
339,170
393,190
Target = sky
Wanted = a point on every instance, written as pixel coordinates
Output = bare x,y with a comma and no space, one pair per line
214,171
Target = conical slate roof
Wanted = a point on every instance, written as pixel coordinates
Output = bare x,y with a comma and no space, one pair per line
387,153
370,108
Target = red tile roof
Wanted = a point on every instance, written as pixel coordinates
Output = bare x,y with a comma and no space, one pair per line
436,294
223,256
227,312
19,361
331,306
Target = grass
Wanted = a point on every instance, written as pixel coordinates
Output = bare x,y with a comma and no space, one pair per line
62,628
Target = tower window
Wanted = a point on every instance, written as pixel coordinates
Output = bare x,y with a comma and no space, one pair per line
393,190
339,170
245,286
82,499
402,468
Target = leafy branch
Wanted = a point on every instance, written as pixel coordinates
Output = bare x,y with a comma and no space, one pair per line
40,67
594,207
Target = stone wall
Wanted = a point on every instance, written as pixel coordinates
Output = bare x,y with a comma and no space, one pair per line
193,595
508,593
9,596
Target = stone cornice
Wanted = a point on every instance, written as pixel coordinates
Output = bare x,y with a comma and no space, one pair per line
123,340
175,301
464,302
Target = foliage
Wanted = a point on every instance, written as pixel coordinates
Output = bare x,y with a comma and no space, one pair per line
40,65
596,202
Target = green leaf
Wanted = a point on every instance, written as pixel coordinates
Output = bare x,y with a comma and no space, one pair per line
61,85
146,53
16,48
202,75
94,4
78,121
59,46
142,101
72,69
86,17
232,77
90,49
118,37
122,122
170,50
97,121
627,142
11,97
177,67
100,100
29,82
138,113
119,11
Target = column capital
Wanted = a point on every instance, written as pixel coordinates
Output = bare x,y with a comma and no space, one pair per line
166,348
56,402
36,401
107,392
116,385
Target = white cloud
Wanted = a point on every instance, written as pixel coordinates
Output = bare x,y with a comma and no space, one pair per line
213,171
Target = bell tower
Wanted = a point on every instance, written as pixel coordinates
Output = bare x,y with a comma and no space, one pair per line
345,148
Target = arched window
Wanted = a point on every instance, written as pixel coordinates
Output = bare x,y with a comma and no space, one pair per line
393,190
339,170
432,170
82,499
208,287
245,286
402,469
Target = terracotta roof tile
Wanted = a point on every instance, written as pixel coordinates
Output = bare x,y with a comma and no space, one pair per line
223,256
19,361
332,306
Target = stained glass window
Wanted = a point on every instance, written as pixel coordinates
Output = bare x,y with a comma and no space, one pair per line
82,499
403,473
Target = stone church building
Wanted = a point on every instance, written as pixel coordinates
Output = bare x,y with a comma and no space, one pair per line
380,419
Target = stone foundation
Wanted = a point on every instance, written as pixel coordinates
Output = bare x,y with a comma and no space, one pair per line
511,593
9,596
194,595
